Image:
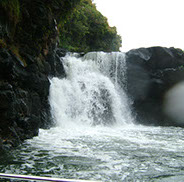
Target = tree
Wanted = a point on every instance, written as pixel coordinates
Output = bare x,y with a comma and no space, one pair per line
86,29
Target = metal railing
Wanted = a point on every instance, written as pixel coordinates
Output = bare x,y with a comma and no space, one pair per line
38,178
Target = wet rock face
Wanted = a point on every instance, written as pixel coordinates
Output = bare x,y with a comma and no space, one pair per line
28,56
151,72
24,91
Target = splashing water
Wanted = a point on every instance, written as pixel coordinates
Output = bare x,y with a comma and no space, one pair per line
91,93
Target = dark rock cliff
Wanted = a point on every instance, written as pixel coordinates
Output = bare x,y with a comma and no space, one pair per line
151,72
24,91
28,56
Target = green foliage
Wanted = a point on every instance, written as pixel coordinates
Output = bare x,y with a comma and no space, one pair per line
11,8
61,8
86,29
9,15
31,26
2,44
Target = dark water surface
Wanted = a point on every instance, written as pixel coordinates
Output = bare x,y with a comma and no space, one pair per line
129,153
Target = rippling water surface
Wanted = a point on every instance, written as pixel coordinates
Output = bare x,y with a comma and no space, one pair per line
129,153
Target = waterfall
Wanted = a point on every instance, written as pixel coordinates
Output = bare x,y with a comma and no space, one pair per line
93,93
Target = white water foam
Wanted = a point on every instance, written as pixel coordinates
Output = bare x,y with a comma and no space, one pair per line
92,93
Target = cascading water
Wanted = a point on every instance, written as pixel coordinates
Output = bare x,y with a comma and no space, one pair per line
92,93
94,137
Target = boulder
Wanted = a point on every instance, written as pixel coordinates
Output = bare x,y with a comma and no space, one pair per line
151,73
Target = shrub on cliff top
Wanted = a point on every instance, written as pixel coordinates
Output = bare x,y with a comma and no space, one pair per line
31,25
86,29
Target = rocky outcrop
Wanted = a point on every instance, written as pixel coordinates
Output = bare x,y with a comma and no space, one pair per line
28,56
24,91
151,72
